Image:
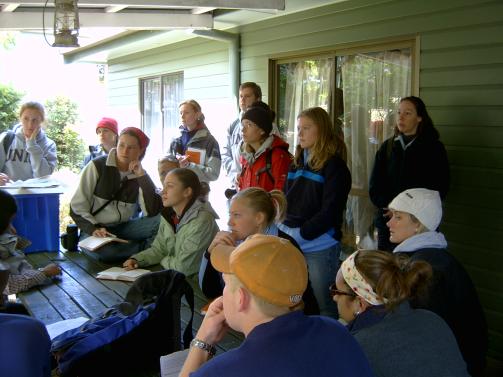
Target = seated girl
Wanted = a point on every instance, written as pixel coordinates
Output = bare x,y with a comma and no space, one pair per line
416,214
371,290
112,192
187,227
252,211
22,275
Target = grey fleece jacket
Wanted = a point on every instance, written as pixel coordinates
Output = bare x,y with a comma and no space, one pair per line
27,159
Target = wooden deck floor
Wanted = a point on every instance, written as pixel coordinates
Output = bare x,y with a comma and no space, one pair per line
79,294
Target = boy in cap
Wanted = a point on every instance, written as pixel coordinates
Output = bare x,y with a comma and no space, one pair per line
113,191
107,132
264,278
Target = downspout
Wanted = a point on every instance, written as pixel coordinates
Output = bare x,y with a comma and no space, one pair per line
234,58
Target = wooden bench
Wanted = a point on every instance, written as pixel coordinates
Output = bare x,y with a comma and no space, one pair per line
79,294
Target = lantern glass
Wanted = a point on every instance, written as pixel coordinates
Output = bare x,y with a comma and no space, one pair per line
66,23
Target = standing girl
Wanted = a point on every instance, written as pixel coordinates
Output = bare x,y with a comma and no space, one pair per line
196,149
413,157
317,189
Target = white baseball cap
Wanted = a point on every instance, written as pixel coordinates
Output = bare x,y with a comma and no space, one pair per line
424,204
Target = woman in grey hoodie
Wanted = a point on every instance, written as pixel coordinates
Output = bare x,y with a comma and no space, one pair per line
26,152
417,214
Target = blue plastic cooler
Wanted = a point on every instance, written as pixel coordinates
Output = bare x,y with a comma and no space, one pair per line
37,219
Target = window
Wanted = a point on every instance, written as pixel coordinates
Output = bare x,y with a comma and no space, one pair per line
361,89
160,97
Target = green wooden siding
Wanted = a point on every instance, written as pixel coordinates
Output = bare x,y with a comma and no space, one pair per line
460,79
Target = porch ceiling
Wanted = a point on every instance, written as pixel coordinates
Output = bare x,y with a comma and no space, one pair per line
156,22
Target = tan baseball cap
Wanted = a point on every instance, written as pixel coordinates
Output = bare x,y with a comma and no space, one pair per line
269,267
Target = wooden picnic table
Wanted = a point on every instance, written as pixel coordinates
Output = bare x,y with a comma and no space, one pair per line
79,294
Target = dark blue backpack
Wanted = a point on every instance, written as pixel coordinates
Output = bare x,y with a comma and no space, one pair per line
129,338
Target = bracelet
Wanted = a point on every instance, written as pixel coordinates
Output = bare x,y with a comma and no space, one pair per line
204,346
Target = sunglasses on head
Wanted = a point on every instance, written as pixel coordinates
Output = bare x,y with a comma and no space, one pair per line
337,292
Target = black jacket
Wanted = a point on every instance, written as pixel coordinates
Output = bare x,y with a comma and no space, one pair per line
422,164
453,297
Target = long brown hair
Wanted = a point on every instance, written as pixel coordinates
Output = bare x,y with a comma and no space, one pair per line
330,140
394,277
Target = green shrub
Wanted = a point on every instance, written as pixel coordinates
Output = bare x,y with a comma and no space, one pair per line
9,106
62,114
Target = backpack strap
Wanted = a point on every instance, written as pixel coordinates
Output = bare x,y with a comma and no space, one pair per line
114,196
267,167
7,140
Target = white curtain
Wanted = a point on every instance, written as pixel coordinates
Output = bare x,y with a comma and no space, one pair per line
309,83
372,84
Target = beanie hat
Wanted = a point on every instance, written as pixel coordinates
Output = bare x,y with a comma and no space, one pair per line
270,267
108,123
142,138
424,204
261,115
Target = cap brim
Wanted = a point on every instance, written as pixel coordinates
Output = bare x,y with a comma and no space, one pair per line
221,257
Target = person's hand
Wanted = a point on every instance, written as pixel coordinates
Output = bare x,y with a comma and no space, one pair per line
101,232
51,270
130,264
222,238
214,327
4,179
34,134
183,160
136,167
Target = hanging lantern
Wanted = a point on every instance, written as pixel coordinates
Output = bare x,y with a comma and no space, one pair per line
66,23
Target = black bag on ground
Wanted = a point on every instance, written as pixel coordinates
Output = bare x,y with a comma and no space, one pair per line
130,337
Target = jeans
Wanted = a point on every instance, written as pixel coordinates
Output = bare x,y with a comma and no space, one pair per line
140,232
323,266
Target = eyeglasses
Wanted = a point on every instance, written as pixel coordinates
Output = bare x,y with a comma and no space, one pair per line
337,292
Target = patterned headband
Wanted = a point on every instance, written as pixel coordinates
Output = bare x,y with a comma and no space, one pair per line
357,283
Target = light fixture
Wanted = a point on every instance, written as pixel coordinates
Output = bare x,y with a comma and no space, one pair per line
66,23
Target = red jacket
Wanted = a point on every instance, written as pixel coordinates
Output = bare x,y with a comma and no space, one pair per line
269,178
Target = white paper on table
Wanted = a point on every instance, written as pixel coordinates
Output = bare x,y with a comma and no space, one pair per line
41,182
57,328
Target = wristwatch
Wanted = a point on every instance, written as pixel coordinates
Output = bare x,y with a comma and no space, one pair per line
198,343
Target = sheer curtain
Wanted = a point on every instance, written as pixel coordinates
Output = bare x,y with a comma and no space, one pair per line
306,84
373,84
172,86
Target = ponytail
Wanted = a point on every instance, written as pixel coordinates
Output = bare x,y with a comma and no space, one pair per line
272,204
393,277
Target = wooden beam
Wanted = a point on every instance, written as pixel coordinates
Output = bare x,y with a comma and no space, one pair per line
115,8
11,7
134,21
186,4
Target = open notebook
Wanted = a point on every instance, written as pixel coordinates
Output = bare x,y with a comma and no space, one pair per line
92,243
119,273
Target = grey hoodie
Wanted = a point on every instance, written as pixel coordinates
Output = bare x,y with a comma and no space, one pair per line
27,159
426,240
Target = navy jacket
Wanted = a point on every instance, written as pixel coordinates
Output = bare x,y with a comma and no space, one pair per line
317,199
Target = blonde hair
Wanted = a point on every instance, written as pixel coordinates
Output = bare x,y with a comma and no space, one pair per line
266,308
330,140
195,106
272,204
33,106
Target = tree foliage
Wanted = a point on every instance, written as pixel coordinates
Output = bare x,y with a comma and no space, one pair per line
62,114
9,105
